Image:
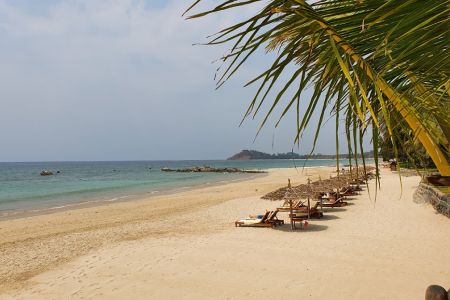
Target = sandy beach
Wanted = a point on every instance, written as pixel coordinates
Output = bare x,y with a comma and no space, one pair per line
185,246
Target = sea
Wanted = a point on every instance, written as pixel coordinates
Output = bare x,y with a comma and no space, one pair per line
24,190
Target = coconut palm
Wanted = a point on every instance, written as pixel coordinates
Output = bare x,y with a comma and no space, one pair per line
367,60
409,150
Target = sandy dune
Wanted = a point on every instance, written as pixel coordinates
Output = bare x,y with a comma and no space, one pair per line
185,246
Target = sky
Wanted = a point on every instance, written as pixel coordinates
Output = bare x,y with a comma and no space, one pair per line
121,80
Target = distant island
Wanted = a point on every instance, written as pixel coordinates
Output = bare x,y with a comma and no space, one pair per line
253,154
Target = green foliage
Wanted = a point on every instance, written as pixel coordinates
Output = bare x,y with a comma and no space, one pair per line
410,153
370,61
253,154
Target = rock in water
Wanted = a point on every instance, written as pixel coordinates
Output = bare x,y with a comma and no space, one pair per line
46,173
436,292
207,169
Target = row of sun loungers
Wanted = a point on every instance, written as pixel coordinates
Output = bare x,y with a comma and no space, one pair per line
299,212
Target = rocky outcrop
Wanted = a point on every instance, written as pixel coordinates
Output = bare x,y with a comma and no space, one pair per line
46,173
426,193
253,154
207,169
249,154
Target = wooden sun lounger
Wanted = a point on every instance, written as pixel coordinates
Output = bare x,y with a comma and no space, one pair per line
257,222
273,219
348,192
357,186
314,212
285,205
295,205
334,203
268,220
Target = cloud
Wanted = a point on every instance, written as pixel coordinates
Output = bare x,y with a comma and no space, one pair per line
119,79
107,34
80,79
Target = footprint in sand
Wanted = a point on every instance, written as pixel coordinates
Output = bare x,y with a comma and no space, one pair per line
75,293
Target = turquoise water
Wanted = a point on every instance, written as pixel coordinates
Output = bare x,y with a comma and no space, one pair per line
23,189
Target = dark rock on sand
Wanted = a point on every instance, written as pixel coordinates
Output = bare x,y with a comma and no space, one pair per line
436,292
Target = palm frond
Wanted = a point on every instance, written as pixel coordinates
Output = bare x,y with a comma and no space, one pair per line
369,59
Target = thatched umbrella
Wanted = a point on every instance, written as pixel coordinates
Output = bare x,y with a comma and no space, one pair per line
304,191
276,195
324,186
340,182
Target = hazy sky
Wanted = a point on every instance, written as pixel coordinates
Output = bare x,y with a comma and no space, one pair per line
120,80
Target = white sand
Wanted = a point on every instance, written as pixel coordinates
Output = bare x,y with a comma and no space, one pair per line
391,249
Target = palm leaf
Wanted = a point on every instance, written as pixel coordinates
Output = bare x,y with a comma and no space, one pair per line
358,55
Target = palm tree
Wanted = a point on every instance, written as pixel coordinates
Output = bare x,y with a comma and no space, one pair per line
408,150
369,60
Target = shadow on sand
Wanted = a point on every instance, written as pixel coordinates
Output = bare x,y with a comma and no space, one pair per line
326,217
350,198
335,209
312,227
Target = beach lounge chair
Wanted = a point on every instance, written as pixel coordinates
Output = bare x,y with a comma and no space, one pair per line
253,222
269,219
333,202
300,208
273,219
314,212
286,207
348,191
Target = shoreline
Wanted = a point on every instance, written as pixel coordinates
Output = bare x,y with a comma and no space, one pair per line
59,207
188,240
42,236
22,194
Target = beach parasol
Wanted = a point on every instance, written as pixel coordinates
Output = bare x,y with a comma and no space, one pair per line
302,191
